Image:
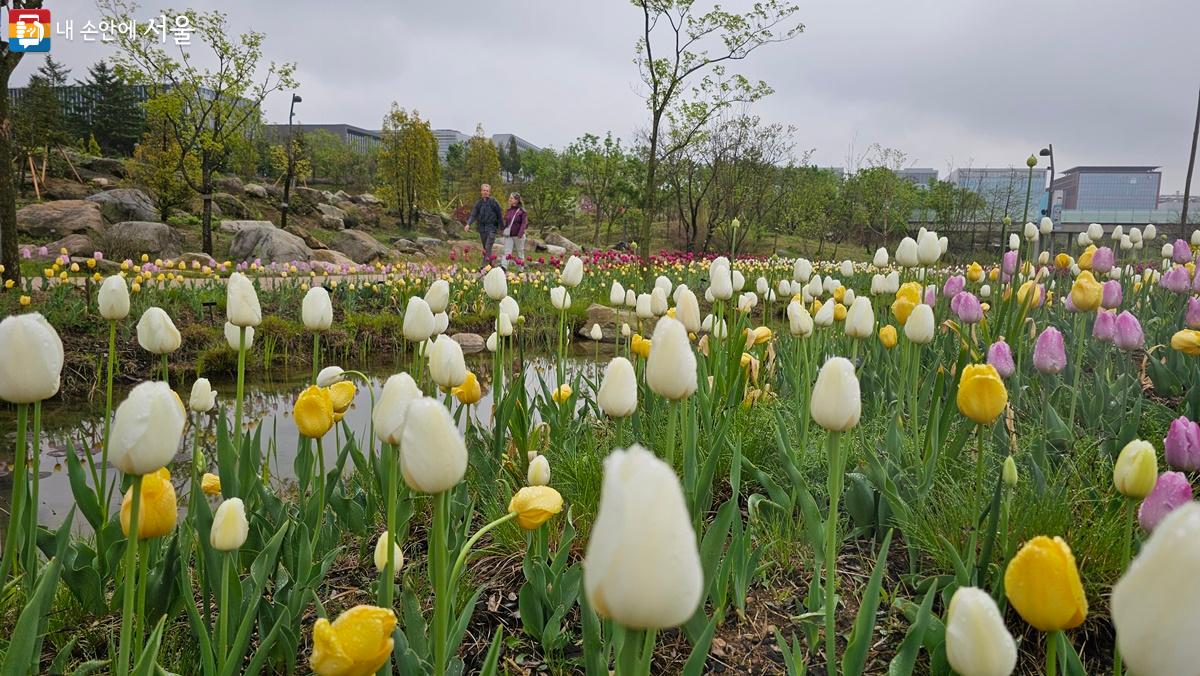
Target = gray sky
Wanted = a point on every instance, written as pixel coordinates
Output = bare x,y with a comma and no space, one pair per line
952,84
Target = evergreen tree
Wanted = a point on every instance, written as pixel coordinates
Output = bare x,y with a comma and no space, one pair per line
38,120
112,113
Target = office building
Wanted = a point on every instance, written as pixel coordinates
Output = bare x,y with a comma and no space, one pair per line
361,141
1004,190
449,137
1109,188
918,176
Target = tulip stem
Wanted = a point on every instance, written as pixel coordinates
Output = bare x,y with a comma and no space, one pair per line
979,467
672,424
241,388
1126,553
1052,653
316,362
139,617
35,480
637,651
131,539
438,573
1079,345
223,611
166,371
387,581
320,491
20,484
831,548
461,561
101,481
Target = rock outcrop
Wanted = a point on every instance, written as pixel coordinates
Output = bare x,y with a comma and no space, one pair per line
53,220
263,241
125,204
359,246
159,240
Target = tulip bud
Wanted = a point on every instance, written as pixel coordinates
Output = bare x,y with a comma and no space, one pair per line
687,310
539,471
1042,583
906,253
31,359
495,284
241,301
658,301
618,392
977,642
391,409
229,526
982,395
210,484
738,280
1095,232
860,319
920,325
359,641
438,296
203,398
441,322
433,457
630,298
1046,226
881,258
642,566
508,306
330,375
671,366
1136,470
381,554
113,298
720,279
836,402
597,333
1049,352
146,429
491,342
446,364
560,298
158,508
156,332
1009,473
317,310
1171,490
572,272
616,294
802,270
233,336
535,505
1014,242
418,320
1149,232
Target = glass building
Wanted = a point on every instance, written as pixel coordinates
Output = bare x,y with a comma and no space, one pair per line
1109,188
1004,190
918,176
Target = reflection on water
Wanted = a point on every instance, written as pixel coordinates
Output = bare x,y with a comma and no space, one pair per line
78,426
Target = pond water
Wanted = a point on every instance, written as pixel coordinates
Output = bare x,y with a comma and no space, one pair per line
78,425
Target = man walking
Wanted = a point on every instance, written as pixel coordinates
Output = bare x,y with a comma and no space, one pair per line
487,217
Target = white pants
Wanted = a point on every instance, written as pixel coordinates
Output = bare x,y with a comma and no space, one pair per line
515,247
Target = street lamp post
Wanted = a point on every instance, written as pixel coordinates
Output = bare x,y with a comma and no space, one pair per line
291,163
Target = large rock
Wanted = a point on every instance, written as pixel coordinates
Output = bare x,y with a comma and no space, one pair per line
104,165
555,250
367,199
341,196
269,244
332,223
62,189
159,240
359,246
304,200
471,343
331,211
234,227
312,242
76,244
609,319
405,245
331,257
52,220
230,184
125,204
556,239
429,242
255,190
230,205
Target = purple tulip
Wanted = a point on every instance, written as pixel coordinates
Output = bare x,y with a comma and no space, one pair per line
931,295
43,251
1068,303
954,286
1105,327
1129,334
1181,251
1170,491
1102,260
1000,356
1009,264
1182,445
1196,283
1175,280
1112,295
1193,313
1049,354
967,307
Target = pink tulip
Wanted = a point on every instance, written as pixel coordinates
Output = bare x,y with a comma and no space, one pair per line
1102,260
1068,303
1175,280
1182,445
1129,334
931,295
1170,491
1105,327
1112,295
1000,356
954,286
1009,263
967,307
1193,312
1181,251
1049,353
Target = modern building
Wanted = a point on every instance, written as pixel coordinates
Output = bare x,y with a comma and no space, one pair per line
918,176
76,102
1108,188
1004,190
362,141
449,137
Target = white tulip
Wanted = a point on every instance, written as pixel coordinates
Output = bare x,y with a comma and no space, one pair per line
618,391
761,285
720,279
846,268
1083,240
831,285
643,310
229,526
747,301
441,322
113,298
860,318
1044,258
920,325
906,253
878,284
572,272
658,301
1095,232
630,298
1031,232
849,297
539,471
433,457
1046,226
671,366
616,294
391,409
1195,238
438,296
156,332
824,316
815,287
317,309
146,429
928,248
836,402
663,282
560,298
381,552
508,306
738,280
687,310
800,323
241,301
893,282
719,329
881,257
446,364
1156,603
203,398
1135,235
491,342
418,323
1014,242
1126,243
1149,232
233,336
679,291
784,288
642,566
330,375
802,270
31,359
495,283
597,333
625,330
1116,233
504,325
977,642
1168,250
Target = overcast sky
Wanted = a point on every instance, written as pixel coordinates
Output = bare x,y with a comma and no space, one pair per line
951,84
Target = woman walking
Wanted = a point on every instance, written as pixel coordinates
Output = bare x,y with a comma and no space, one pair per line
515,222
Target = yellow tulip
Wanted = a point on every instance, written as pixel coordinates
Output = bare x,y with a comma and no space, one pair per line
1136,470
469,392
1186,341
1042,583
762,335
1085,258
534,505
839,312
640,346
901,309
981,393
839,294
158,509
210,484
974,273
887,336
357,643
994,274
1062,261
341,395
24,301
816,307
1086,292
314,412
561,393
910,291
1023,292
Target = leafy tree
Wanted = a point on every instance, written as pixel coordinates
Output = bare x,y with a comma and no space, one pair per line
550,192
334,160
207,110
409,171
160,165
9,255
600,164
112,115
455,169
510,158
481,164
301,166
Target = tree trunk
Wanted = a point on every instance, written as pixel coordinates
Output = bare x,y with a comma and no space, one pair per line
206,218
650,197
9,256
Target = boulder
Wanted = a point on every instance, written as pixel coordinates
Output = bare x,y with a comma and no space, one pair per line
359,246
125,204
230,205
159,240
330,210
255,190
310,241
609,319
101,182
304,200
52,220
428,242
269,244
76,244
556,239
331,257
367,199
62,189
405,245
104,165
234,227
332,223
555,250
342,196
229,184
471,343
